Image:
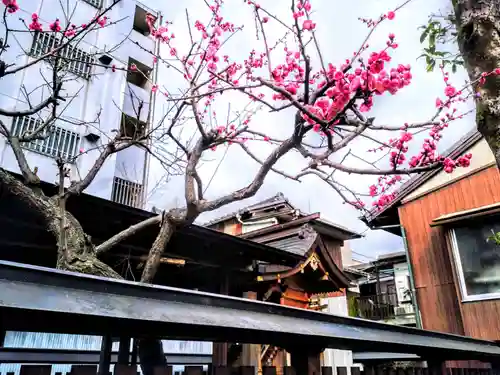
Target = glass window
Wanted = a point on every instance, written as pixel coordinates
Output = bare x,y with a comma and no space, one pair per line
478,258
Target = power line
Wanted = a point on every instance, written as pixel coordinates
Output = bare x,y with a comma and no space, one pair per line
363,255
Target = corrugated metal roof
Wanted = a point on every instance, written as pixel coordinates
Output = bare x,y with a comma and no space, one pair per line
39,340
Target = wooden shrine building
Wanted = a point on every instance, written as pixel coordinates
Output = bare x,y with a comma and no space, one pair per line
319,272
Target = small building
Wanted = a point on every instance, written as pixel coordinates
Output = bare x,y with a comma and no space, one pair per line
317,282
383,290
449,224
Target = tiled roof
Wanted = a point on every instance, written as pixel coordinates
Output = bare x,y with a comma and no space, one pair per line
277,199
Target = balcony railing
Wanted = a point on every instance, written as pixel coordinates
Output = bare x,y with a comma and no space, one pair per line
384,306
127,192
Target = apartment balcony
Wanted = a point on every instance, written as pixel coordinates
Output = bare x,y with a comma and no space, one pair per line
383,307
136,102
127,193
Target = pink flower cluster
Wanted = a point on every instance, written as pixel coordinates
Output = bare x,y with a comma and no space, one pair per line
35,24
380,190
101,21
55,26
366,81
11,5
450,165
397,157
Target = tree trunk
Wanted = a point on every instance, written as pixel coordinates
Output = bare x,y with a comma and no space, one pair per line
478,28
166,231
78,254
150,351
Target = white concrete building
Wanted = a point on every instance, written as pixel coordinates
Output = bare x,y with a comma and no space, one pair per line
90,89
115,95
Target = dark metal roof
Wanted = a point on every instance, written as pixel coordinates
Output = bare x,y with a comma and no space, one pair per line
46,300
294,244
197,244
456,150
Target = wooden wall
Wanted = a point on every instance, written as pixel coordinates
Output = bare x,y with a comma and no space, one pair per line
437,292
334,248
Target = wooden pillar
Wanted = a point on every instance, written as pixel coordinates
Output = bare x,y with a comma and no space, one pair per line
124,351
250,353
306,359
219,351
219,354
2,336
133,355
105,356
436,367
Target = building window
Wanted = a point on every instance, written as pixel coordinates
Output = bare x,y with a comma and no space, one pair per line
56,142
138,73
74,60
127,192
478,258
140,23
95,3
131,127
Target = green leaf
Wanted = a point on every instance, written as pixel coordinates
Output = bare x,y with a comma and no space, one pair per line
454,68
430,67
423,36
432,40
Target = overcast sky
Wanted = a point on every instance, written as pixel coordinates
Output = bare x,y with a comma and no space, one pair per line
340,33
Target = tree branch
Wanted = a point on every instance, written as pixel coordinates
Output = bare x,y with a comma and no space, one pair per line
130,231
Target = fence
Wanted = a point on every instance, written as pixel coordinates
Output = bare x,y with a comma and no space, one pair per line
247,370
382,306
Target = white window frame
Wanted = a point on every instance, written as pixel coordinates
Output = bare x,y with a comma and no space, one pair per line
51,145
460,275
80,63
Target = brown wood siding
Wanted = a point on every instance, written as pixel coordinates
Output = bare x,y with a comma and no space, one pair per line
295,298
437,291
334,248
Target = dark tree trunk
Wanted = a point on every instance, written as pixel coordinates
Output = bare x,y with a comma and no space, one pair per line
478,27
78,254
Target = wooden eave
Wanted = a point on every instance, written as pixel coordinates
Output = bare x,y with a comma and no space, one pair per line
331,272
459,216
332,266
